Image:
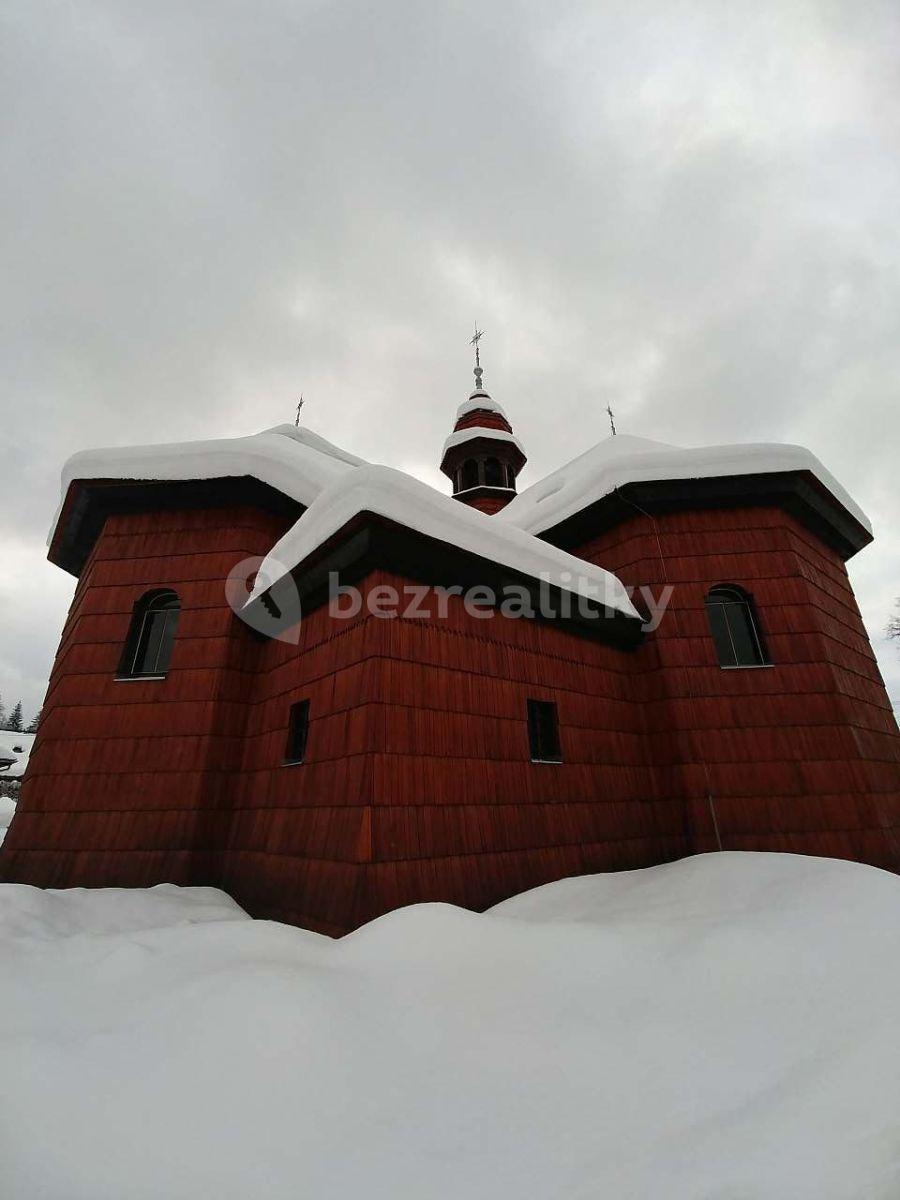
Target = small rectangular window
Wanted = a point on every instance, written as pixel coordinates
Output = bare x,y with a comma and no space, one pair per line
298,732
543,731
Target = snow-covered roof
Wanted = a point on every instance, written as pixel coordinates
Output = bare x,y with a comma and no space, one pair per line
400,498
296,462
625,459
479,402
461,436
335,487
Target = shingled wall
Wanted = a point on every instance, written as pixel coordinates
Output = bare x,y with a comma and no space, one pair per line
129,779
802,755
418,783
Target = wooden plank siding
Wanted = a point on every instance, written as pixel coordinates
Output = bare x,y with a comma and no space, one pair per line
129,782
417,782
800,756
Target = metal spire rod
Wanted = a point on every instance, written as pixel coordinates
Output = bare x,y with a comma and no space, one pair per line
612,421
297,419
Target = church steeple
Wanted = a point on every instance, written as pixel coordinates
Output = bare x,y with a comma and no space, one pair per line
482,456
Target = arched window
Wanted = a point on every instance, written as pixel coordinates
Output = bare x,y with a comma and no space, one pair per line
493,473
734,627
469,474
148,647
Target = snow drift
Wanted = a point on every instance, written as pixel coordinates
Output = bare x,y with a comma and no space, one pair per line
721,1027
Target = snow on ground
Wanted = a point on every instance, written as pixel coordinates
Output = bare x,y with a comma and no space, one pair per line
723,1027
7,811
16,746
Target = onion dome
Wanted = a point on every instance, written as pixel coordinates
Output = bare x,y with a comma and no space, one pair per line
482,457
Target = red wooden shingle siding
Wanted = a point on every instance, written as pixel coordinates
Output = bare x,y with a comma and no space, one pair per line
800,756
490,504
128,781
461,813
299,836
417,783
484,419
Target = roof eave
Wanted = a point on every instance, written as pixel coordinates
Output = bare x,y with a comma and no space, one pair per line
797,492
370,541
88,502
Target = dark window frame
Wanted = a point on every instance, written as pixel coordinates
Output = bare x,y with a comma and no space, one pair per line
147,653
734,626
297,741
544,742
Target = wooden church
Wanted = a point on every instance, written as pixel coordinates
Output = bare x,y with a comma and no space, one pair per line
325,755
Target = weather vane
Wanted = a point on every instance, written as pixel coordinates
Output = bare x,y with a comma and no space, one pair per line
297,419
612,421
479,334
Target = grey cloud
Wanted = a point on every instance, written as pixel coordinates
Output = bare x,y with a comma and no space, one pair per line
683,209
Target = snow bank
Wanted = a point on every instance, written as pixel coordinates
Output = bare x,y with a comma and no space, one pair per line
722,1027
47,915
399,497
617,461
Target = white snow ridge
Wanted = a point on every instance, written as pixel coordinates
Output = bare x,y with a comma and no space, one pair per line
725,1026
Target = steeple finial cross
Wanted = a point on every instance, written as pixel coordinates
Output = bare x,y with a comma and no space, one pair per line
479,334
297,420
612,420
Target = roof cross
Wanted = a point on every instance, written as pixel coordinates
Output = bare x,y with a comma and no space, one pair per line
479,334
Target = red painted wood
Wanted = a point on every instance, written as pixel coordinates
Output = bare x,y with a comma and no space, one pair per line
490,504
482,418
417,783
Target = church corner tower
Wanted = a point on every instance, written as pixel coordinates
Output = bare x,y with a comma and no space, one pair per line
482,456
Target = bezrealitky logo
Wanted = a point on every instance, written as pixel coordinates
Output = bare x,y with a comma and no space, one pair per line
271,603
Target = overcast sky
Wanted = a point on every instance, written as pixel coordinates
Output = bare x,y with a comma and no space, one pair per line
687,210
